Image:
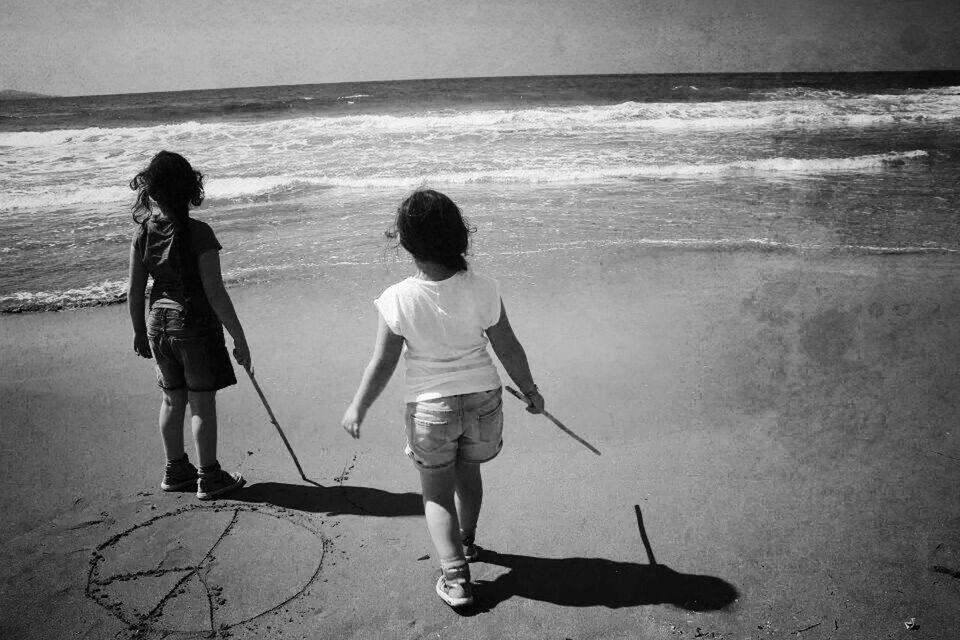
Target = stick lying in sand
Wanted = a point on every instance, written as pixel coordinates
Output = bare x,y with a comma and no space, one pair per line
520,396
273,419
643,536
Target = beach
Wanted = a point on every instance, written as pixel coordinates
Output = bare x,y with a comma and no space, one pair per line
740,288
786,423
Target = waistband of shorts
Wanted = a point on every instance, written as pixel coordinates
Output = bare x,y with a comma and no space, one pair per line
161,316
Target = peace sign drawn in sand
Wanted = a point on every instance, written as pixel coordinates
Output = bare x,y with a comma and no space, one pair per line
199,569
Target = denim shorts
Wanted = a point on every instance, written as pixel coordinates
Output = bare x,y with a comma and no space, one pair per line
464,428
189,354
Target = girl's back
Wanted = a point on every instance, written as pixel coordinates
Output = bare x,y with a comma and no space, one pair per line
442,324
171,259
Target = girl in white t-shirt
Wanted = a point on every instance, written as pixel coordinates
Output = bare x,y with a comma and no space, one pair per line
441,319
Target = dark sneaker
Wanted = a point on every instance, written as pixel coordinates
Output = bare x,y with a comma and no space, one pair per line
454,586
179,475
470,551
219,483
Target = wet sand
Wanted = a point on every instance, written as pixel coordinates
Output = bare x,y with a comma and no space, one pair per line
787,426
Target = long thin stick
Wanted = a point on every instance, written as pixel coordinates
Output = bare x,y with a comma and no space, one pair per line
643,536
273,419
520,396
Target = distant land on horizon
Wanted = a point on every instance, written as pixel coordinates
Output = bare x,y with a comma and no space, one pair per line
13,94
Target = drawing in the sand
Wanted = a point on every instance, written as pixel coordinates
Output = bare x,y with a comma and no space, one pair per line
195,569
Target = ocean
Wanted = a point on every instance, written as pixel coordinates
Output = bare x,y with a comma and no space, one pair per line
302,178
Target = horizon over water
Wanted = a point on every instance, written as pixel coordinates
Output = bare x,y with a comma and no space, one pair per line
927,76
305,177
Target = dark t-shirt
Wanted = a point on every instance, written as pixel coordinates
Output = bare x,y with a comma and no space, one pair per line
176,277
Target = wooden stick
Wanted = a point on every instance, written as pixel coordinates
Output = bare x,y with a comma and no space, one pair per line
520,396
643,536
273,419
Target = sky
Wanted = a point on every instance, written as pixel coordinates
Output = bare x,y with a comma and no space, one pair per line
85,47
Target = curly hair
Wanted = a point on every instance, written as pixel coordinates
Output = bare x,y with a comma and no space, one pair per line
170,181
432,228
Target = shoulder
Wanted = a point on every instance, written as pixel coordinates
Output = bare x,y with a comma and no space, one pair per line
486,293
200,226
141,235
399,296
390,306
481,283
202,236
397,290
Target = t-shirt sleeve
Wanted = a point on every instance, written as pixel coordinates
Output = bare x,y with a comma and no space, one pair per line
202,238
388,305
490,311
137,242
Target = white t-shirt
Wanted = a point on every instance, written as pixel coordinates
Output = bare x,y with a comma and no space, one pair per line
443,324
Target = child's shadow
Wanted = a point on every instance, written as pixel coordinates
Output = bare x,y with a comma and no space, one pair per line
334,500
587,582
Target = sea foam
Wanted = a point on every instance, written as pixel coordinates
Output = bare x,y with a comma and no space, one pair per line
114,292
784,110
238,187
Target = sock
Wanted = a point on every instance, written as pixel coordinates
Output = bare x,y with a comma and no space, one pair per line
452,563
213,468
176,462
467,538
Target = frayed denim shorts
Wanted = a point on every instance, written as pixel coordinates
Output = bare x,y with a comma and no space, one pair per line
189,354
463,428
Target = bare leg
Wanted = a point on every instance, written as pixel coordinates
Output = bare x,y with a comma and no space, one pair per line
173,407
203,406
469,496
441,514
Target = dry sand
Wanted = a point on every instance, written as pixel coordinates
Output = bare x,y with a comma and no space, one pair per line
787,425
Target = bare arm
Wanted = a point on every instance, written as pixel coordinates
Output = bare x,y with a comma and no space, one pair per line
514,359
386,354
136,286
212,279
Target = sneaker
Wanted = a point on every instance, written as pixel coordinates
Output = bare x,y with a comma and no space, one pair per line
218,483
470,550
454,586
179,475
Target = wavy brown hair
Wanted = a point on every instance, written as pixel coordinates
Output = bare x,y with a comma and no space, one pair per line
432,228
172,183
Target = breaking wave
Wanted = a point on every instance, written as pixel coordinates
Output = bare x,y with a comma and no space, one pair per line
784,108
230,188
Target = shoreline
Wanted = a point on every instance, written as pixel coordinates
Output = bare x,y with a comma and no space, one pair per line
113,292
786,425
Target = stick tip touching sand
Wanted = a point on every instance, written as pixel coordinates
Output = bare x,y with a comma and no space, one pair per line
550,417
273,420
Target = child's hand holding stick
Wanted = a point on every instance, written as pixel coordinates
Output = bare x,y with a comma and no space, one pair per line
546,413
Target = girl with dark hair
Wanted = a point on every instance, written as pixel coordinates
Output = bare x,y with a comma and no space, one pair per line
189,307
442,318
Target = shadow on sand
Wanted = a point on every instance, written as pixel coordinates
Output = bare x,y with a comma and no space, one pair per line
587,582
335,500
